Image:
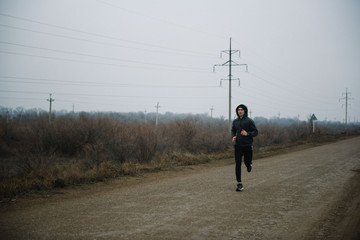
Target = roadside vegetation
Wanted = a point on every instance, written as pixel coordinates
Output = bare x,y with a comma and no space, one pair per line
36,154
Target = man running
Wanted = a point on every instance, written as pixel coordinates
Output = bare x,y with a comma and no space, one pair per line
243,130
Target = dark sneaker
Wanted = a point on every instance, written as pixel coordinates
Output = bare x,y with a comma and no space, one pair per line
249,167
239,187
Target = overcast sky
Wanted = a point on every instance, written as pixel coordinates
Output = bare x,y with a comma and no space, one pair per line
127,56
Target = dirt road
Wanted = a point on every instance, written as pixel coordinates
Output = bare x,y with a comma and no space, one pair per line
308,194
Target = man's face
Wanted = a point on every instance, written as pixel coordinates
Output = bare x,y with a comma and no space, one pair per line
241,112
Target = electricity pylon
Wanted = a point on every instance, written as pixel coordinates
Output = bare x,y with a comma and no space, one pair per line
347,98
230,64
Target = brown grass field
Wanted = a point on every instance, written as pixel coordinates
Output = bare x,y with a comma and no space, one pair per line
39,156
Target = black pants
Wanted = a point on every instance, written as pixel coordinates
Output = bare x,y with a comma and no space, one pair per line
239,152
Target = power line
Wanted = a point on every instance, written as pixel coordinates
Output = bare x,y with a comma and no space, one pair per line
287,87
256,76
7,15
172,52
298,96
17,98
96,56
30,80
162,20
99,63
168,51
97,34
73,101
24,92
109,95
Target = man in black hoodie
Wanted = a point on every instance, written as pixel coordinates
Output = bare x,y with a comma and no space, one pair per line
243,130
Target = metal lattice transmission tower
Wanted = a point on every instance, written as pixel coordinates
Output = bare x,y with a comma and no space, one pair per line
346,98
230,63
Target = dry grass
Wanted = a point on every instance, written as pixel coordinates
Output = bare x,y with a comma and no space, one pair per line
70,174
36,156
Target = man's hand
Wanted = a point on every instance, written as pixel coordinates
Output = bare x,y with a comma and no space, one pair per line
243,133
234,139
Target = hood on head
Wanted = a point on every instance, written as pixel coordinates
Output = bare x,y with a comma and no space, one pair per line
243,107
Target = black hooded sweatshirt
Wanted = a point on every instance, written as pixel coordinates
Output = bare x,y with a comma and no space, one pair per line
246,124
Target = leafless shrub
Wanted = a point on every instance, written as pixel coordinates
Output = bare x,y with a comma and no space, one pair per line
37,155
270,133
185,131
94,154
146,142
207,141
166,138
119,143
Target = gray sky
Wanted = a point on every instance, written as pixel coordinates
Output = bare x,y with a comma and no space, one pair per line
125,56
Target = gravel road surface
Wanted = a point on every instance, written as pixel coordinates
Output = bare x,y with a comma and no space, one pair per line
307,194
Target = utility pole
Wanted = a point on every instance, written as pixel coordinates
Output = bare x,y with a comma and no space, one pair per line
50,100
211,111
347,98
7,116
230,63
157,114
145,115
